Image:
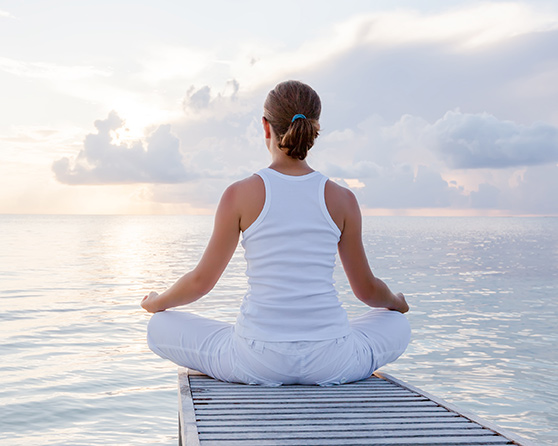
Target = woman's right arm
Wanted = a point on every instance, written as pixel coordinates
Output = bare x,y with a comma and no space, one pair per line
198,282
366,287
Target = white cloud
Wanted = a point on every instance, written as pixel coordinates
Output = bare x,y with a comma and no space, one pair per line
199,194
535,193
106,161
466,141
197,99
465,29
403,187
531,194
468,27
487,196
412,163
374,146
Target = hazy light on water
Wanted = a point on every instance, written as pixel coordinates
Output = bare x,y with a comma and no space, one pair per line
76,370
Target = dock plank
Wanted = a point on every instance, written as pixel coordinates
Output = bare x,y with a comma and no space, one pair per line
333,427
469,441
376,411
397,423
448,435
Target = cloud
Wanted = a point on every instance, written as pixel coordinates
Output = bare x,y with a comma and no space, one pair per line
202,98
412,163
456,140
467,26
462,31
429,78
403,187
531,195
106,161
219,137
535,192
197,99
472,141
201,194
487,196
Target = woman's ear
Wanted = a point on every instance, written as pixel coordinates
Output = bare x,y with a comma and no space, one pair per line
267,128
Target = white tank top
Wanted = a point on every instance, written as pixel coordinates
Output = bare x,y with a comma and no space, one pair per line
290,253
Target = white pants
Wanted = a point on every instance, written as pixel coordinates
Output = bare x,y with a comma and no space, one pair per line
378,337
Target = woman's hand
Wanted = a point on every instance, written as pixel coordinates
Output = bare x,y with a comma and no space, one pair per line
149,302
401,304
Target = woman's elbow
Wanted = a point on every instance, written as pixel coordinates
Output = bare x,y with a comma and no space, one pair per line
202,284
363,294
367,291
205,289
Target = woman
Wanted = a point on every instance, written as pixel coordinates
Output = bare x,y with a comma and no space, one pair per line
291,328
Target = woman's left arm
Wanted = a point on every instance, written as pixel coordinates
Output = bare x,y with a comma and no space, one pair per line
215,259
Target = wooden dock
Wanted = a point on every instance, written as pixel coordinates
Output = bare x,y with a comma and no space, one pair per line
380,410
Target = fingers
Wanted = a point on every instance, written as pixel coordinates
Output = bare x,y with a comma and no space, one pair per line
405,305
148,302
402,305
144,301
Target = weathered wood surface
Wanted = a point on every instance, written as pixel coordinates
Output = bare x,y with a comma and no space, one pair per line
187,430
381,410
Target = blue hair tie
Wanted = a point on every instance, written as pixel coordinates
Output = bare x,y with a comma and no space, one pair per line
298,116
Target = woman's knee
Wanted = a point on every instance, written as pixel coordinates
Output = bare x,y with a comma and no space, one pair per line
156,328
401,328
404,324
390,329
155,322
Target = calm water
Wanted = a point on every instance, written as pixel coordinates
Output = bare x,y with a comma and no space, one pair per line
75,369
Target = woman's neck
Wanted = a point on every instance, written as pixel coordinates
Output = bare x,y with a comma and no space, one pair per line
283,163
296,169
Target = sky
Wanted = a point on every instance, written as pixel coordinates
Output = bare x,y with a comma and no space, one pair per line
154,107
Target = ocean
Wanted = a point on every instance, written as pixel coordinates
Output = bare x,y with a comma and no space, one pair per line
75,368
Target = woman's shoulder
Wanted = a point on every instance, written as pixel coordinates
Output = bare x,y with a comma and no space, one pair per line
248,198
341,203
246,185
339,194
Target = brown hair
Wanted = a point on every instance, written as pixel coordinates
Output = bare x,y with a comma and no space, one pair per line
285,101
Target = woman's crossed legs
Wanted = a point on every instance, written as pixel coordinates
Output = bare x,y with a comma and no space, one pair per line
378,337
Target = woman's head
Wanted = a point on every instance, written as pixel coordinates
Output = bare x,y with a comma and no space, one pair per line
282,104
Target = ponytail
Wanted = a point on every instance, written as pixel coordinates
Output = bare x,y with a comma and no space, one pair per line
299,138
293,111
